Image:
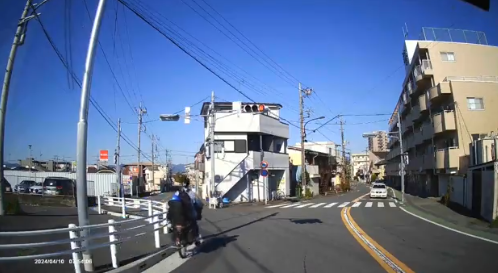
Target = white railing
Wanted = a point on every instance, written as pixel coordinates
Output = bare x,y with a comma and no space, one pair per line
116,232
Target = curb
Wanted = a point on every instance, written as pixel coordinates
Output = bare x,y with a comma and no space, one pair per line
145,263
449,228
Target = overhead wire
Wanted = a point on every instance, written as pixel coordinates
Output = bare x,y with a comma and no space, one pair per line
93,102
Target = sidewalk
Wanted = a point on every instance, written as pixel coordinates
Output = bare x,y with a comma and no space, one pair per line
431,209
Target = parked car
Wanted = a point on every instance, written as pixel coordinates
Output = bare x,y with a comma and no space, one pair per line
58,186
37,188
378,190
24,186
6,187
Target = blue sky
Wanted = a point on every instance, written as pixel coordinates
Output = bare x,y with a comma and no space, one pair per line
348,51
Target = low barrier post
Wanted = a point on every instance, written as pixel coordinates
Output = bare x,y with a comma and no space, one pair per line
99,204
150,210
157,239
112,238
74,246
123,207
165,218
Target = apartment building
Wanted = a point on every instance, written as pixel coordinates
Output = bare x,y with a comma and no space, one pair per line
244,135
378,142
361,163
448,99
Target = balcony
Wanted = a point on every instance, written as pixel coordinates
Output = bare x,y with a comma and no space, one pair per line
406,98
444,121
423,70
439,91
422,103
448,158
275,160
250,122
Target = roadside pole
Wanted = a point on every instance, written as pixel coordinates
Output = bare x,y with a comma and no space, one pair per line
18,40
211,149
402,165
82,138
119,180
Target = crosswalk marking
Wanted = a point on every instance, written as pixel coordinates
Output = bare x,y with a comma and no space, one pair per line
290,206
331,205
310,205
276,206
343,204
317,205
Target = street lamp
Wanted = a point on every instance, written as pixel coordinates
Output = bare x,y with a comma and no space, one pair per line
322,117
169,117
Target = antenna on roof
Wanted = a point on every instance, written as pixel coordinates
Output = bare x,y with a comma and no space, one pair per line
405,31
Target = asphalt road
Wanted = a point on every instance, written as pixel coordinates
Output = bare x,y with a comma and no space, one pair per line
287,240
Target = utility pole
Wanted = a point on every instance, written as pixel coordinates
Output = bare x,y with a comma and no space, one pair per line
301,119
18,41
402,165
118,169
212,116
343,146
82,138
141,111
153,170
30,158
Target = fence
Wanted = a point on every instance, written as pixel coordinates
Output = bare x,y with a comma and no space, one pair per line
116,232
99,184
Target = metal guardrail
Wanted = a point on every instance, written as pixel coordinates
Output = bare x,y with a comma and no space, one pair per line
155,210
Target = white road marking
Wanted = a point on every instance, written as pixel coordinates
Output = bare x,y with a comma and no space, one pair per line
380,204
275,206
290,206
170,263
317,205
448,228
369,204
331,205
356,204
343,204
392,204
305,205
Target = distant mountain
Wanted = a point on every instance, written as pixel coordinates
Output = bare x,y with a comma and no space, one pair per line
178,168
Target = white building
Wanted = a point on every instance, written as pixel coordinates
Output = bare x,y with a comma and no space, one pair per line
238,132
360,161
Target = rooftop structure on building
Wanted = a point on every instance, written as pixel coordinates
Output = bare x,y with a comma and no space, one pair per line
448,99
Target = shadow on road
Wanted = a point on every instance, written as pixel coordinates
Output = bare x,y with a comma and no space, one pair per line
306,221
221,232
215,243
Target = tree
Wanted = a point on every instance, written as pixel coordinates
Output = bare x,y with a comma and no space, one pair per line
180,178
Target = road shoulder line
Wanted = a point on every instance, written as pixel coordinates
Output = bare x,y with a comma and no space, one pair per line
449,228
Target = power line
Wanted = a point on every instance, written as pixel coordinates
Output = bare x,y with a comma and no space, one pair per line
78,82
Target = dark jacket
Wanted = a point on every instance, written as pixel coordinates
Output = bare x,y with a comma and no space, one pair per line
181,212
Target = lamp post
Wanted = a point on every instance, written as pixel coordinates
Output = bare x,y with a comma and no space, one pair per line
303,153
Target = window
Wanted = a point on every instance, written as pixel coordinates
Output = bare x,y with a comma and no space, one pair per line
240,146
475,103
218,146
447,56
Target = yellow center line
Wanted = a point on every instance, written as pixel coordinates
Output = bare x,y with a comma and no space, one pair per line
386,260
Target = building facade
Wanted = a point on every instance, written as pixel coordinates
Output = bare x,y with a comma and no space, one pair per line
378,142
361,163
448,100
245,134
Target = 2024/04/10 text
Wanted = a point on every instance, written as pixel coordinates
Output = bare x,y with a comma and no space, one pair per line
60,261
